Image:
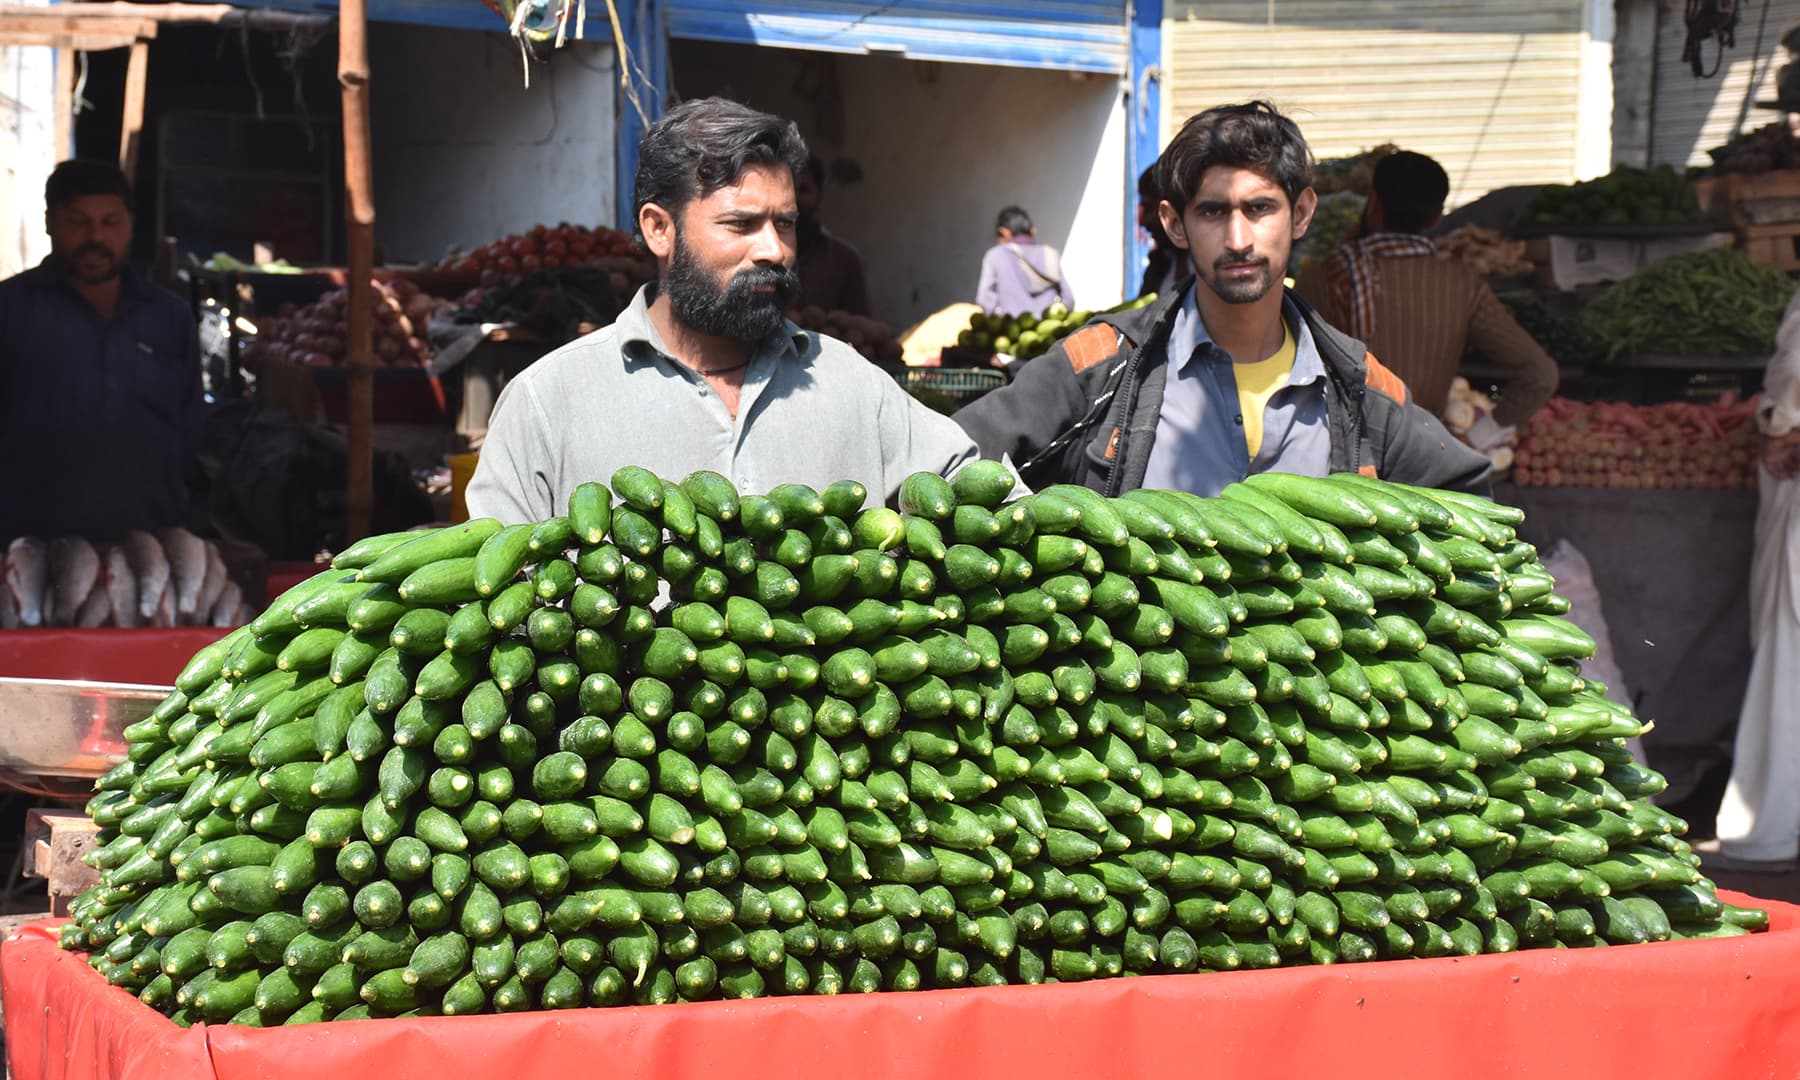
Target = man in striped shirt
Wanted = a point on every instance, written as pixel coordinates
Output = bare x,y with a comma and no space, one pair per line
1419,313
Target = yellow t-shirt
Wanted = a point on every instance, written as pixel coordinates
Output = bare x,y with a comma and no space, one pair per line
1258,382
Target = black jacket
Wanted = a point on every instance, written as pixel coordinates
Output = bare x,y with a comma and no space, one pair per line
1085,412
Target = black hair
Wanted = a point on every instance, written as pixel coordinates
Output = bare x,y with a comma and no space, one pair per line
73,179
1014,220
815,169
1412,188
1148,192
701,146
1253,135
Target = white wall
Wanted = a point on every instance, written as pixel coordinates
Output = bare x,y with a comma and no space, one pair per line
942,148
465,154
27,152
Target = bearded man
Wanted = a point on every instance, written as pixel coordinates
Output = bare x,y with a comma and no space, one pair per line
703,370
100,392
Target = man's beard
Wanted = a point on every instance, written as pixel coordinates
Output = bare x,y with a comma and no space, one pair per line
1240,290
737,312
91,272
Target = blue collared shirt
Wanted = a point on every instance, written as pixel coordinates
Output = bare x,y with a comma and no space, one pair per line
99,421
1199,443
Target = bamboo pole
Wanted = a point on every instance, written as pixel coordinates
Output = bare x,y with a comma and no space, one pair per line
131,127
359,210
65,103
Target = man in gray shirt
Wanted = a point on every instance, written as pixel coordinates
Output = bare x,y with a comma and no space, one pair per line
703,370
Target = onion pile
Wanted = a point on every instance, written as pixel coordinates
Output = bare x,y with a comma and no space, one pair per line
1677,444
315,335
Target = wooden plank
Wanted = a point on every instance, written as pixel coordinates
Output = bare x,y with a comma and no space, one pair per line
204,14
131,126
50,21
359,210
77,42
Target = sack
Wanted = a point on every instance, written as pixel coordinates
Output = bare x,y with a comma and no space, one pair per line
1575,582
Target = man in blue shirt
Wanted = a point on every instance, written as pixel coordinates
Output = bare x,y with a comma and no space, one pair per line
100,394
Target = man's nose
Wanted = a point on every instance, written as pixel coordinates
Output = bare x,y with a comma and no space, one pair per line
769,245
1238,234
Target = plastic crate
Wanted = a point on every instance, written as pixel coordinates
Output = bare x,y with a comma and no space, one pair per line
960,384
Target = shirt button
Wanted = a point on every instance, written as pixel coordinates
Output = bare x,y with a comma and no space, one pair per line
1240,419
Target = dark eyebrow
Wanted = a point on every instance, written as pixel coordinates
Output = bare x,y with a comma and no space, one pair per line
1211,204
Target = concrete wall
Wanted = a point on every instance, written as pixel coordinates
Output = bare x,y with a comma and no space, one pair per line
27,152
465,153
942,147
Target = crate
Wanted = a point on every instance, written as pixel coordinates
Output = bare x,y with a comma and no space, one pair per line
1749,200
1773,245
962,384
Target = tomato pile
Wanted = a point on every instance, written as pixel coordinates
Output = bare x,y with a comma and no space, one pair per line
546,247
1677,444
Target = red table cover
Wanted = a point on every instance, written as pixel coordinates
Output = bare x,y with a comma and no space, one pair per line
152,657
1722,1008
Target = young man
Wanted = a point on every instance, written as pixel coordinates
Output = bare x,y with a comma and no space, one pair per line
1388,288
100,392
703,370
1231,375
1019,275
832,274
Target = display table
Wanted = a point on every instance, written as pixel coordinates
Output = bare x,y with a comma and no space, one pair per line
1673,570
1725,1008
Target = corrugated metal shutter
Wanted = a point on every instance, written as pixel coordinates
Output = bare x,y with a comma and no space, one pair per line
1489,90
1691,116
1076,35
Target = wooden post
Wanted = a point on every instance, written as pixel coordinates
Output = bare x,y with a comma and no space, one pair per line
131,128
359,210
66,62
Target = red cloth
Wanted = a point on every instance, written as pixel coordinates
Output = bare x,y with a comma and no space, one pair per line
1725,1008
147,656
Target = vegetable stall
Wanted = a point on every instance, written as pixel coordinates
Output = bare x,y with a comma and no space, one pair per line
978,742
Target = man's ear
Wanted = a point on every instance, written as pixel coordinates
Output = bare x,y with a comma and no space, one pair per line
1172,225
658,227
1303,211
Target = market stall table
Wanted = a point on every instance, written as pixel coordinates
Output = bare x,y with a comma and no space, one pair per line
1727,1007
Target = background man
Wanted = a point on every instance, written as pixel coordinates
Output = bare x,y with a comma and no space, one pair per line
1018,274
703,370
100,393
1232,375
1168,266
833,276
1387,288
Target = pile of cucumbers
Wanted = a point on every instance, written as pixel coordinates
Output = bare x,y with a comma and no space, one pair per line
692,744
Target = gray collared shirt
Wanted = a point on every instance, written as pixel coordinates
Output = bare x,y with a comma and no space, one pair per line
812,411
1199,445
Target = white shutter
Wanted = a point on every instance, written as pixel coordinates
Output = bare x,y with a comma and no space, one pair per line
1492,91
1691,116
